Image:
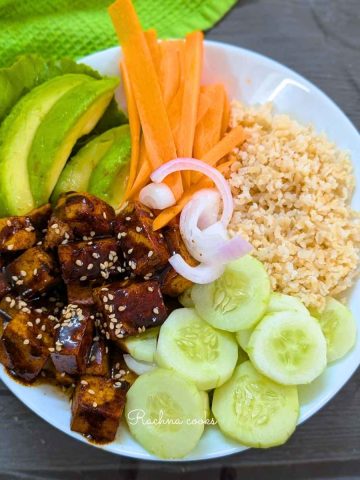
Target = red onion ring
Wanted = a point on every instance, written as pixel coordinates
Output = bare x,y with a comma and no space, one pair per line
181,164
201,274
157,196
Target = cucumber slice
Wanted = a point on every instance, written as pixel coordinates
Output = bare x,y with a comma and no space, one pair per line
254,410
185,299
238,299
288,347
242,356
279,302
195,350
138,366
243,338
142,347
165,413
338,325
206,405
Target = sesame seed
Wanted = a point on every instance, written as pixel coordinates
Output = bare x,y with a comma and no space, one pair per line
79,263
35,271
51,349
150,289
111,297
8,223
128,219
138,229
105,298
95,404
19,282
91,391
90,266
8,299
26,341
156,310
150,253
37,321
122,308
84,382
10,247
95,255
39,337
66,235
62,374
57,231
83,278
130,251
12,303
54,225
29,324
104,215
92,234
96,339
43,328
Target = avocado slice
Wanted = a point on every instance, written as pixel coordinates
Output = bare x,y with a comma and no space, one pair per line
77,172
17,133
109,178
73,116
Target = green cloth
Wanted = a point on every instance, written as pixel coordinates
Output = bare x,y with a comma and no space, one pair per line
79,27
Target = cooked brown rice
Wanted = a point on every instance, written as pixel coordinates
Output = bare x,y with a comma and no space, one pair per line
292,189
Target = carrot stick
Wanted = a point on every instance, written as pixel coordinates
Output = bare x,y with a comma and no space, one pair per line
170,69
204,103
192,72
226,115
155,124
152,41
208,129
233,139
135,129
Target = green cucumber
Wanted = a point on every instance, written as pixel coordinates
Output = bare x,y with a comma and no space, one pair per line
142,347
185,299
280,302
238,299
165,413
255,411
288,347
339,327
195,350
243,337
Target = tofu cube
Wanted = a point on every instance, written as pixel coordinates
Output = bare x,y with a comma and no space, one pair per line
97,407
73,340
26,343
33,272
79,294
144,250
98,358
129,308
84,261
119,371
57,233
171,283
86,214
16,233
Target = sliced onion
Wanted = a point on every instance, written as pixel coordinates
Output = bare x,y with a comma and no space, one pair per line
195,165
201,274
157,196
137,366
232,249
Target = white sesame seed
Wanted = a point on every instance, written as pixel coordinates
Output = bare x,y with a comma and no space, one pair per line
43,328
150,253
84,382
90,266
92,234
83,278
122,308
104,215
91,391
79,263
51,349
130,251
128,219
10,247
138,229
95,404
95,255
54,225
35,271
19,282
26,341
29,324
111,297
150,289
156,310
39,337
8,223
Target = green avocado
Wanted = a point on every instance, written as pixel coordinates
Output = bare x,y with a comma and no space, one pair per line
109,178
17,133
73,116
77,172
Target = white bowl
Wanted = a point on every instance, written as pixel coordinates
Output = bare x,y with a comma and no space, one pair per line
252,78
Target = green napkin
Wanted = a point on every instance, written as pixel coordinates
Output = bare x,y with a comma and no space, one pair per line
79,27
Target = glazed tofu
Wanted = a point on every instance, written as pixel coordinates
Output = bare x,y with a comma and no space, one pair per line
171,282
40,217
57,233
144,250
33,272
16,233
84,261
97,407
4,285
86,214
119,371
98,358
26,343
79,294
129,308
73,340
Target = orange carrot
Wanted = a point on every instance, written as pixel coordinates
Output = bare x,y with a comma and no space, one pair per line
155,125
226,115
208,129
233,139
152,41
192,76
135,129
170,69
204,103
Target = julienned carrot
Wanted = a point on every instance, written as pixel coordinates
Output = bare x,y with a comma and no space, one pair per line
192,76
142,177
155,125
204,103
135,128
226,115
208,129
233,139
152,41
170,69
